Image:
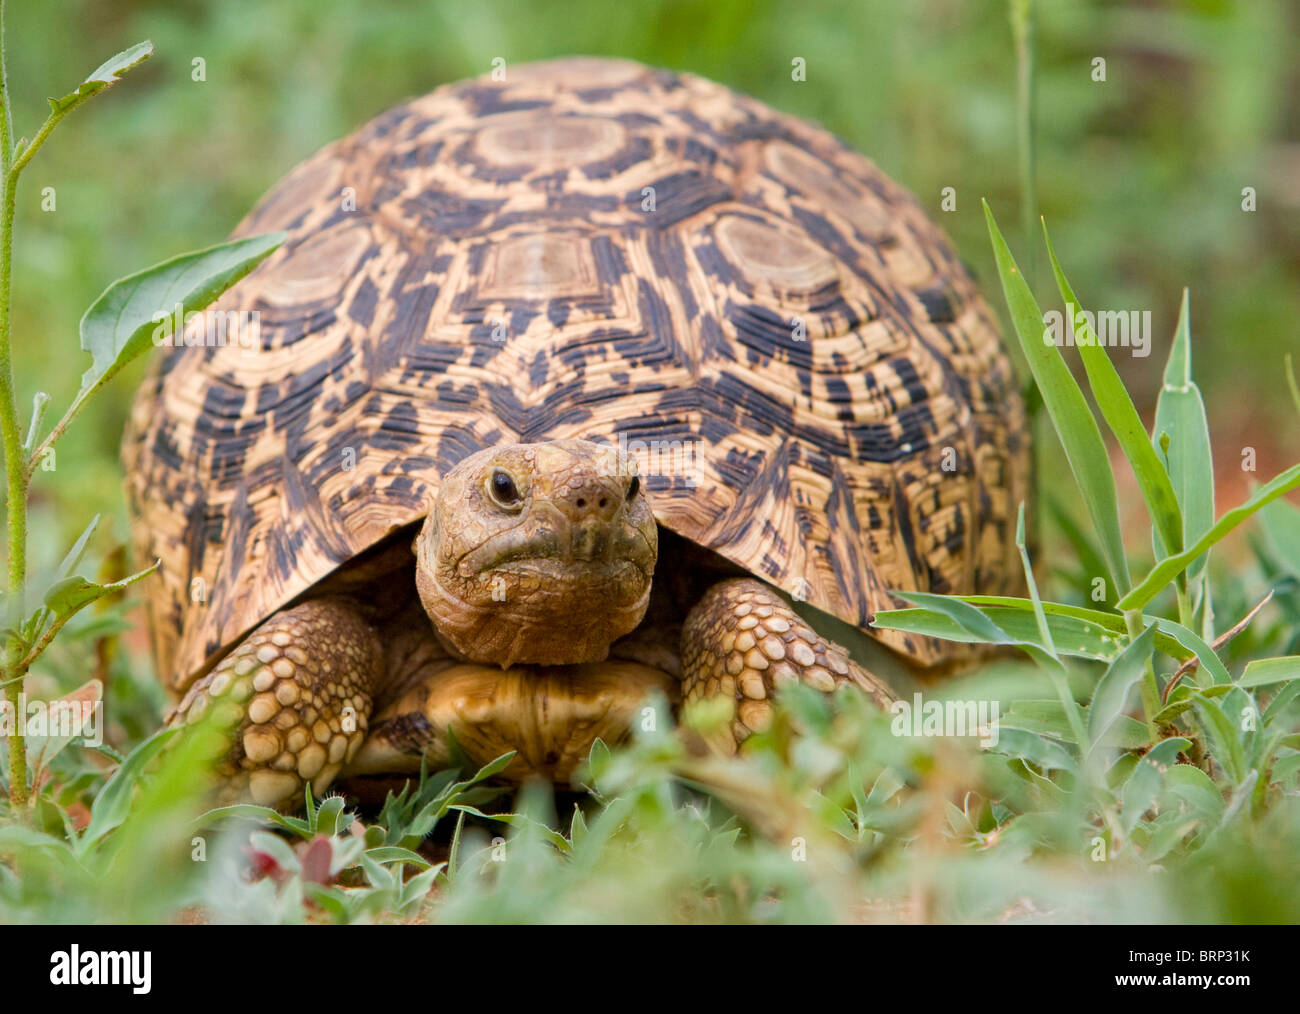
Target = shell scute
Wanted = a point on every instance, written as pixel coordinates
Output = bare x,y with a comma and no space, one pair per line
588,249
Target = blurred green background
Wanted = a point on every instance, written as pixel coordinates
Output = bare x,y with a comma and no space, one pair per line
1139,176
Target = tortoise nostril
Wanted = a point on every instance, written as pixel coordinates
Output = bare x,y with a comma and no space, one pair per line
590,498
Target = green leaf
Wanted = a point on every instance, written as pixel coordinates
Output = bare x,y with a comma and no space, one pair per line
859,792
521,820
415,889
1285,767
1194,787
1122,417
959,822
393,854
1115,685
1027,745
832,816
577,827
1281,523
250,811
1263,672
73,556
1143,784
1047,718
1172,710
1180,417
1044,632
1281,701
973,621
114,801
1086,633
104,76
120,324
1226,746
1074,423
1169,832
329,817
34,627
1165,571
1071,635
1172,638
65,598
1127,733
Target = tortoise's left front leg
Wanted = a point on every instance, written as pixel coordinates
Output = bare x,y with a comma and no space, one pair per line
742,640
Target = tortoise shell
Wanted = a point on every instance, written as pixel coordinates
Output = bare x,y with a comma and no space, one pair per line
588,248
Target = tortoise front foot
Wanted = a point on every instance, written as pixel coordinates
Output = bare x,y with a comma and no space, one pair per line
300,687
742,640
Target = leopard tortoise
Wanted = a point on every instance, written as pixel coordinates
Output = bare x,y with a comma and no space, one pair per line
566,385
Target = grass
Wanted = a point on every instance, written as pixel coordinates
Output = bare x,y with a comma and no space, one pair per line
1145,769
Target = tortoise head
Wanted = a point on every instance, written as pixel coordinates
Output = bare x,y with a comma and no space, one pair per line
537,553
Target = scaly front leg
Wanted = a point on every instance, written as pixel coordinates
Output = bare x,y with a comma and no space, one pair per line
302,685
742,640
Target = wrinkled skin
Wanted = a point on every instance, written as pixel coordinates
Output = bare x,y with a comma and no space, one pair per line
537,553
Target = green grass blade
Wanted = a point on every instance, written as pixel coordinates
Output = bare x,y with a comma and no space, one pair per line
1180,415
1070,635
1166,570
1224,744
1172,638
1281,523
1039,616
1122,417
1116,685
1291,381
1194,787
968,617
1264,672
1073,420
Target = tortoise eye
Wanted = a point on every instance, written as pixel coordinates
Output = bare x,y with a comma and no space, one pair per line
502,489
634,486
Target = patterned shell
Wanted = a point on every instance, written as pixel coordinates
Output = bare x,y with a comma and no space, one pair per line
590,248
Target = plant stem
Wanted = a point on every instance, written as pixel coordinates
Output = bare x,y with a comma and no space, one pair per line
52,438
33,456
1149,688
39,404
11,436
1022,29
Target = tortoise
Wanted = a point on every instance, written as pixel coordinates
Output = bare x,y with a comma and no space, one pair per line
590,383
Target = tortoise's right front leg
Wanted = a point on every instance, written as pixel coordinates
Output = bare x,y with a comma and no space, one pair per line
303,682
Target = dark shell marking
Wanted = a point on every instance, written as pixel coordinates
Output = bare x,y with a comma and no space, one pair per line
502,278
